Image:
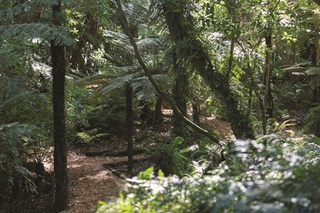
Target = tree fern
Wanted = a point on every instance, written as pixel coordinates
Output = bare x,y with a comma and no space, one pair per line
116,83
19,11
59,34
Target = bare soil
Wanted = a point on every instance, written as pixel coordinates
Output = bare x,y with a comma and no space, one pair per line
91,182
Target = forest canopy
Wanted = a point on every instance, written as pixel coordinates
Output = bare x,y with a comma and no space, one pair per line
214,105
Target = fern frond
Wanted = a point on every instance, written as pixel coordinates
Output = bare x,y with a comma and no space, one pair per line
146,93
14,11
119,40
118,71
15,99
8,126
190,149
59,34
92,80
149,44
116,83
313,71
312,120
301,67
136,13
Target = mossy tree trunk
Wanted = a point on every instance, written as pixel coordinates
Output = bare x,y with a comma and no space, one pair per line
180,27
179,91
58,99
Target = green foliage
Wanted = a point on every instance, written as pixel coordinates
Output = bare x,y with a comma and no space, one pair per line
297,96
108,115
148,174
60,35
78,107
312,121
167,154
14,149
14,55
89,136
279,177
25,132
30,26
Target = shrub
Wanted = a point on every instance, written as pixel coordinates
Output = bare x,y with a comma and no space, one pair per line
280,177
312,120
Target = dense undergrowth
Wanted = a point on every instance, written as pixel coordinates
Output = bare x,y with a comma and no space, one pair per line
270,174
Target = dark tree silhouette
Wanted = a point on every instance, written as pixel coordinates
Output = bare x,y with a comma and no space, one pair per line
60,145
129,123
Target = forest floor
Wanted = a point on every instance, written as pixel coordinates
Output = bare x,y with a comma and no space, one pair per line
90,181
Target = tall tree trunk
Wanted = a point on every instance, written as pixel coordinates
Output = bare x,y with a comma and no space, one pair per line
230,61
179,27
144,114
77,60
158,113
250,96
267,77
129,124
60,144
179,92
196,113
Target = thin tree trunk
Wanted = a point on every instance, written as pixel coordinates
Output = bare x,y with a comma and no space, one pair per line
77,60
196,113
230,62
158,113
60,144
267,78
253,87
144,114
250,96
129,123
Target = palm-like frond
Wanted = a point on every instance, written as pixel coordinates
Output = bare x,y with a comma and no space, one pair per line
59,34
145,90
116,83
8,11
107,73
149,46
137,12
13,54
119,40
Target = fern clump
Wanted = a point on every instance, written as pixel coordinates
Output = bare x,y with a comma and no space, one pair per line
312,122
167,154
